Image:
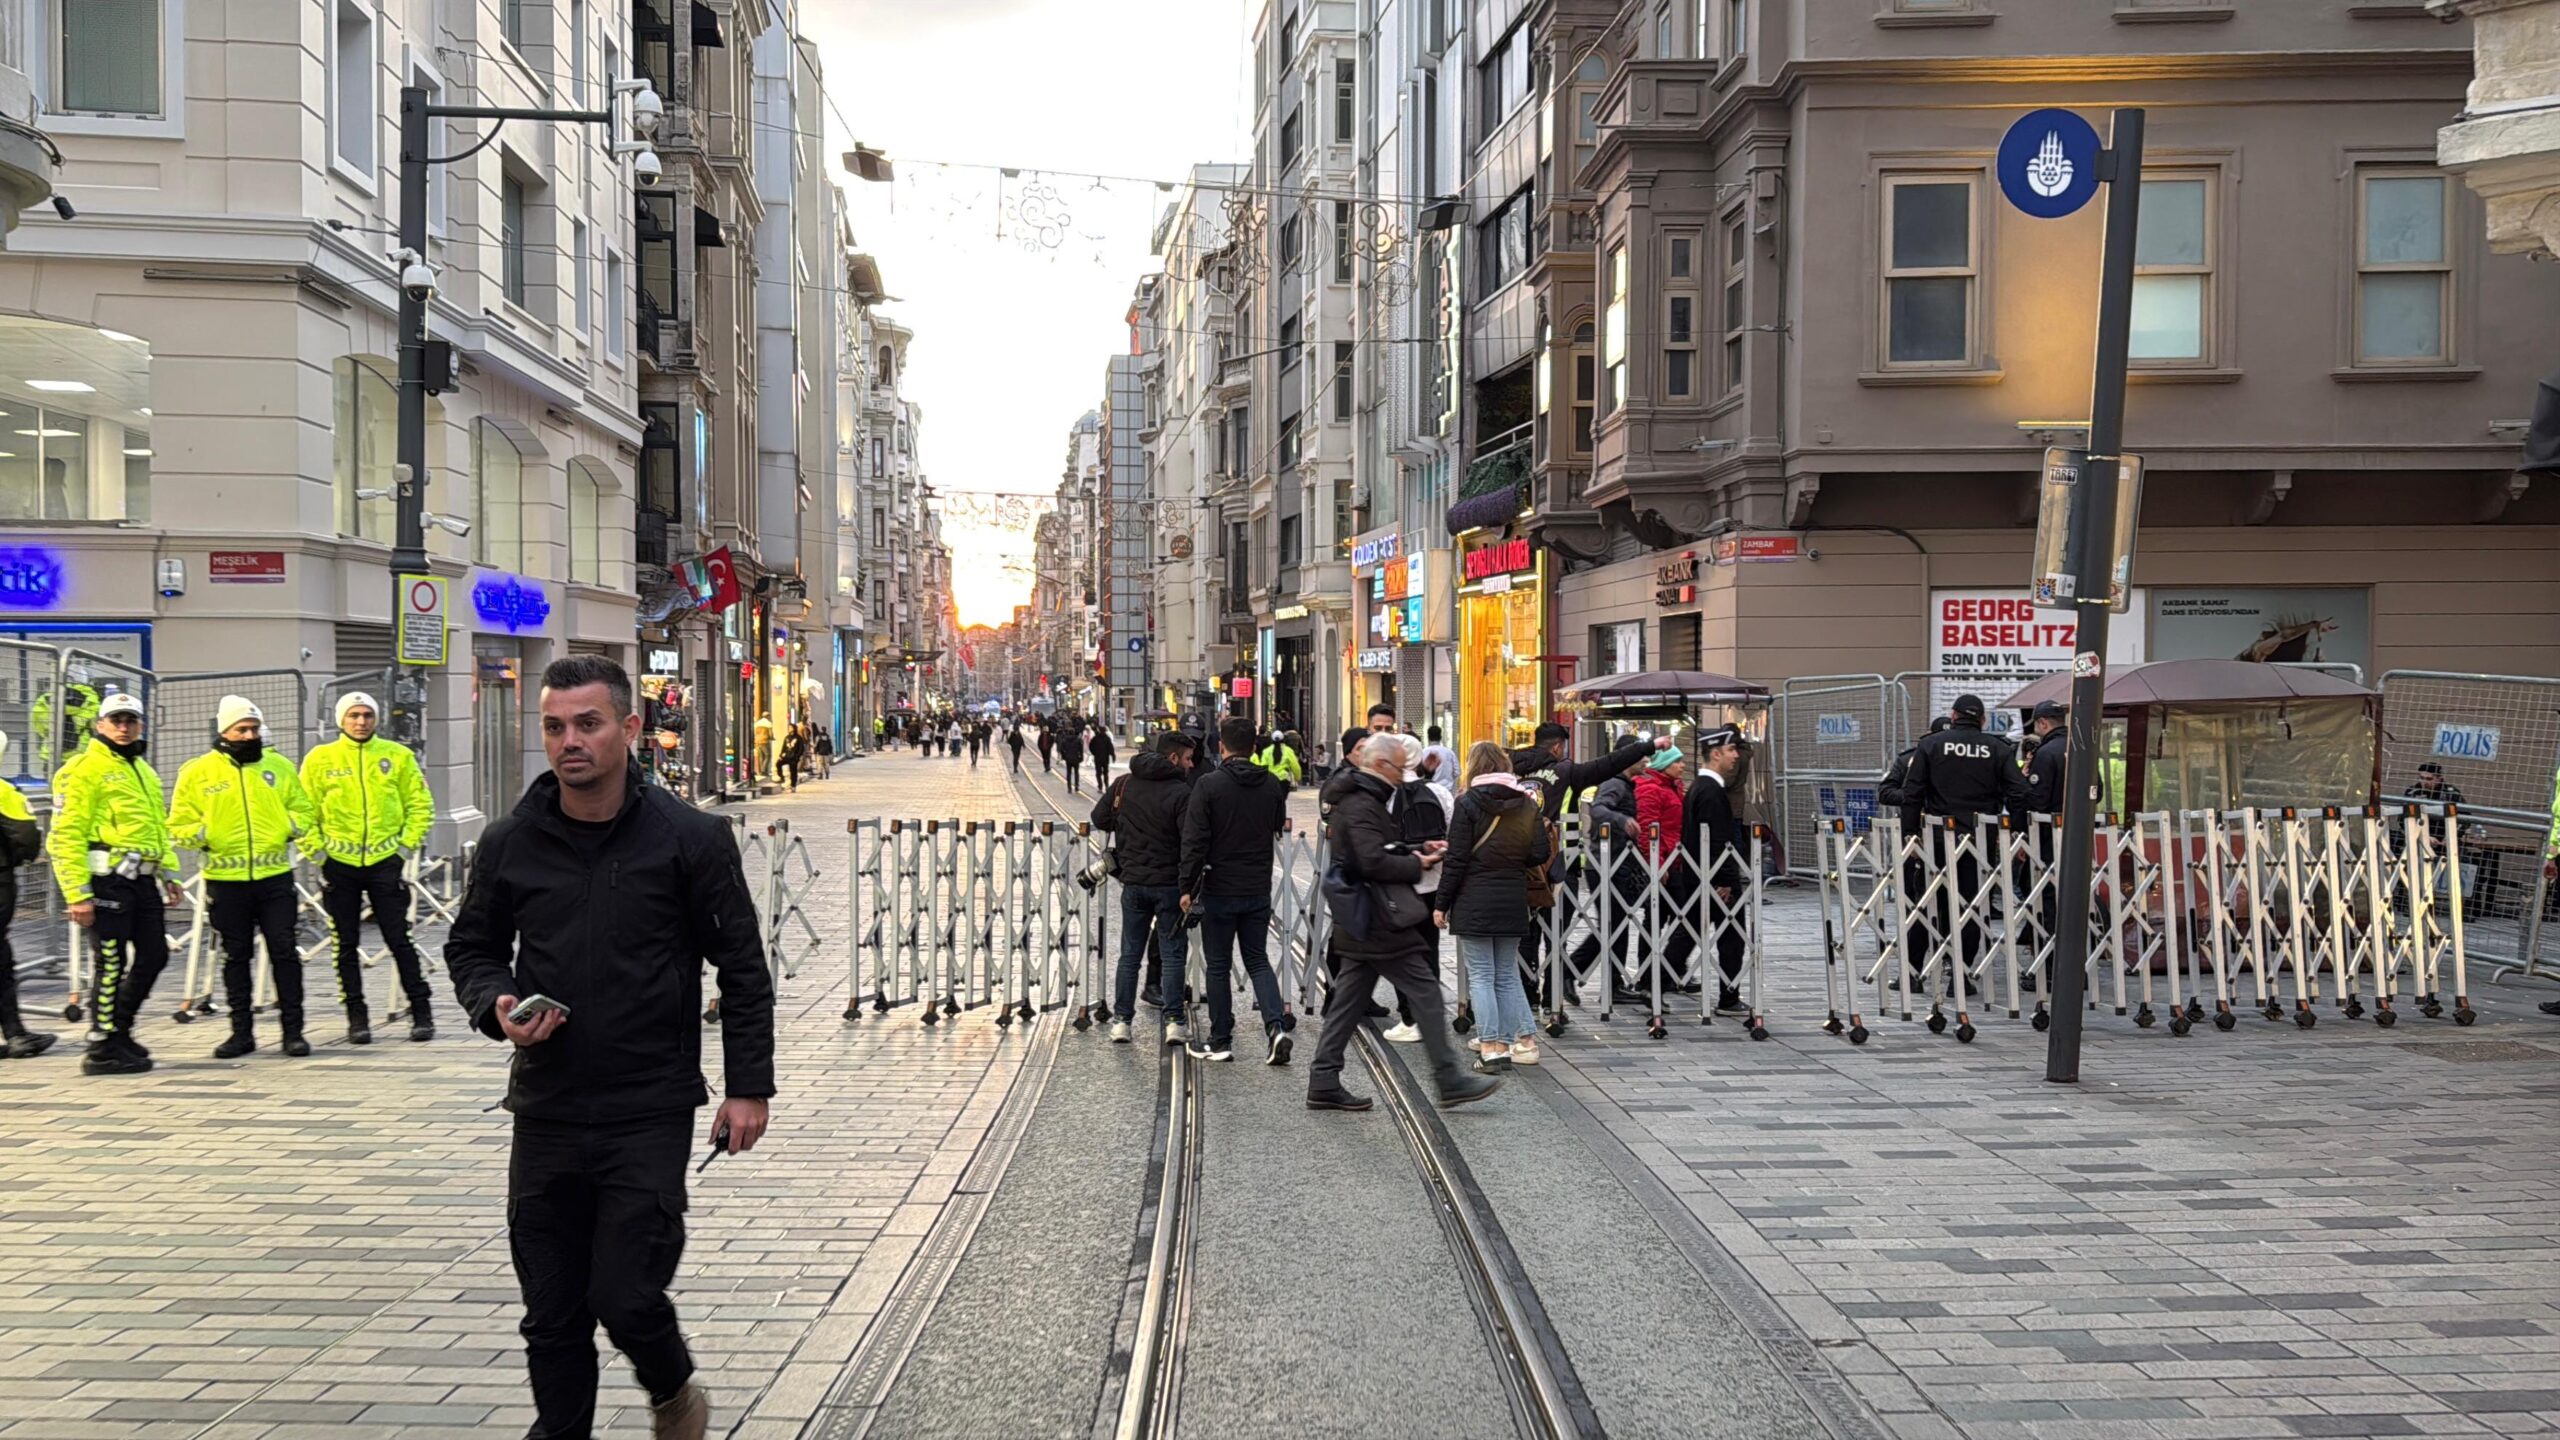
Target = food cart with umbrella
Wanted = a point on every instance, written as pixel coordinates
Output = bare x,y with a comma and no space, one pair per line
2227,734
1679,703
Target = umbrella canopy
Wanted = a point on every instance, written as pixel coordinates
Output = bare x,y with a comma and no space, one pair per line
2197,682
1663,685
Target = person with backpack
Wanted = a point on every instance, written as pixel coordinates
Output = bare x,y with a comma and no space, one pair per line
1235,817
1013,742
1496,838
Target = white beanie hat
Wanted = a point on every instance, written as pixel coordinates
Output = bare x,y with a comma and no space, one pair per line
351,700
232,711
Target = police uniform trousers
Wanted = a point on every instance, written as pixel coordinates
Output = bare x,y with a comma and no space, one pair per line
595,1222
241,911
345,891
133,948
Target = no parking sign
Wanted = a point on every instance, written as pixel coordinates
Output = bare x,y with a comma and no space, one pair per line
421,629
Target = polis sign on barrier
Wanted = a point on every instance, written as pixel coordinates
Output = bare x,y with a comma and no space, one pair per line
2466,742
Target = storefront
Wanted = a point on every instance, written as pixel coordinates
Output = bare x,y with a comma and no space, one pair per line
1501,638
1291,691
1379,587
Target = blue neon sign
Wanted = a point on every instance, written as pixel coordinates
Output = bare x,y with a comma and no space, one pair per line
31,577
511,602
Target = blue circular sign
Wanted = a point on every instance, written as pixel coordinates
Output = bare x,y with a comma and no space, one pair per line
2049,163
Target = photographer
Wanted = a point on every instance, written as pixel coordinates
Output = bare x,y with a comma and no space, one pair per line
1227,834
1143,815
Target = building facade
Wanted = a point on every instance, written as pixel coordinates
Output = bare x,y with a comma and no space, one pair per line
1202,623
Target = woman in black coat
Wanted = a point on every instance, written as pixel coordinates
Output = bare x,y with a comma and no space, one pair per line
1496,837
1366,844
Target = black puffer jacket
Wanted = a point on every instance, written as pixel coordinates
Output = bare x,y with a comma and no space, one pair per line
1360,832
1142,811
617,930
1496,837
1234,815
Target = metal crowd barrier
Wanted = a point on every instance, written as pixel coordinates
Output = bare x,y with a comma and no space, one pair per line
1635,915
2193,914
956,915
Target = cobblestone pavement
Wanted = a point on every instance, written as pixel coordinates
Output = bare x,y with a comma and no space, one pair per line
270,1249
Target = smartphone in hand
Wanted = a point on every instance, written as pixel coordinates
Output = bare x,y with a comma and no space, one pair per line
533,1005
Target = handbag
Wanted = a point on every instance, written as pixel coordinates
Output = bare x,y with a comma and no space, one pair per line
1541,889
1363,911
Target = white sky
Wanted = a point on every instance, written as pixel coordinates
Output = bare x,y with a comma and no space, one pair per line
1013,333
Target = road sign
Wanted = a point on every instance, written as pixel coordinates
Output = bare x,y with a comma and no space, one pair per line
2056,585
421,621
2048,163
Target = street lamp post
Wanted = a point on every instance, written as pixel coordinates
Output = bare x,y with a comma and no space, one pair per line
418,287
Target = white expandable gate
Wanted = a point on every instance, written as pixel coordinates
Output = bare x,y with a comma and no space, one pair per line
956,915
2193,915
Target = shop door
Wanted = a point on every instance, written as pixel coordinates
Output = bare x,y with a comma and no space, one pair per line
497,730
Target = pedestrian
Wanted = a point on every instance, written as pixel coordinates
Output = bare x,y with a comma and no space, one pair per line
1013,742
1101,749
1560,785
116,870
1281,759
1496,837
372,806
761,768
786,763
1662,788
1071,754
1365,845
1966,774
1382,719
1613,835
246,810
1048,746
1711,838
1336,788
1421,811
1143,815
21,843
1228,833
605,898
825,749
952,737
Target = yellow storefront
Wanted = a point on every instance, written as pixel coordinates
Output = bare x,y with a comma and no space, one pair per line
1501,638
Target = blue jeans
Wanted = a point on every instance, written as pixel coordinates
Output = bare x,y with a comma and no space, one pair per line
1226,921
1493,987
1137,904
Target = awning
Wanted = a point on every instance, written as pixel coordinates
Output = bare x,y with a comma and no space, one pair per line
706,230
1680,687
2198,682
706,27
1483,512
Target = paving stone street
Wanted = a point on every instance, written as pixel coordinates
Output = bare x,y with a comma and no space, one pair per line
2272,1232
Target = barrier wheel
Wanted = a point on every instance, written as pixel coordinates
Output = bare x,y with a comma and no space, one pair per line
1555,1025
2386,1018
1022,1011
879,1004
71,1012
2042,1020
2305,1019
853,1011
950,1005
2465,1015
1759,1031
2180,1024
2355,1007
2273,1011
1657,1029
1464,1022
932,1017
1937,1023
1964,1034
2432,1010
1004,1018
2225,1020
2195,1009
1832,1025
2144,1018
184,1016
1857,1034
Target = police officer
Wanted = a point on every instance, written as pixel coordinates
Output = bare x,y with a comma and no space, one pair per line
113,863
245,809
20,844
1964,773
372,804
1710,832
2049,743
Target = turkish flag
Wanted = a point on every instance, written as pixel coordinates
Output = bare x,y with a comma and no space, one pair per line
713,579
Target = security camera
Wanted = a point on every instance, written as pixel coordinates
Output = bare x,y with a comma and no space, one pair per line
62,207
647,110
451,525
417,281
645,167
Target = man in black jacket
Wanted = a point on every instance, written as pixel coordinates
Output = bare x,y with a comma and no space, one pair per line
606,897
1709,831
1236,811
1561,782
1965,773
1144,815
1363,837
2049,744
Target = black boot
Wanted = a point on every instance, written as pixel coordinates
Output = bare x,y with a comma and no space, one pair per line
27,1044
242,1041
106,1057
359,1024
295,1046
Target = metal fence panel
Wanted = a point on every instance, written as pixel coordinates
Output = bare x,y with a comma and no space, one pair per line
1834,736
321,714
183,711
29,674
1924,695
2497,738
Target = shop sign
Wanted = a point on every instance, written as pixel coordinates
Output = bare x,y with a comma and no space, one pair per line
1376,550
31,577
510,602
2466,742
1413,633
2269,623
1758,549
1242,689
1396,579
245,567
1289,612
1382,624
1378,659
664,662
2001,632
1502,558
1675,582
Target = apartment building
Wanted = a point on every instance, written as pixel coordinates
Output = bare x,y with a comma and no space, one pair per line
26,153
1828,355
1130,418
198,372
1067,558
1202,618
904,572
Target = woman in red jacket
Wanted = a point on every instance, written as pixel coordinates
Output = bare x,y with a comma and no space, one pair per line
1661,788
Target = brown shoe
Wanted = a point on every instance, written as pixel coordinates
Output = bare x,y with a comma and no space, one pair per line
686,1415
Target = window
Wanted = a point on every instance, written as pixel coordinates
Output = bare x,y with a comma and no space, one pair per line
1341,242
879,527
1613,330
516,22
437,133
511,236
578,51
661,464
1681,300
617,317
355,110
1737,268
888,370
497,518
1737,26
586,526
367,438
1503,78
1292,244
879,600
879,457
1289,353
1288,539
1589,78
1502,244
1239,565
1583,388
1288,39
1346,101
1288,455
107,56
1341,379
2173,270
1931,270
1240,425
579,279
2404,267
1289,140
